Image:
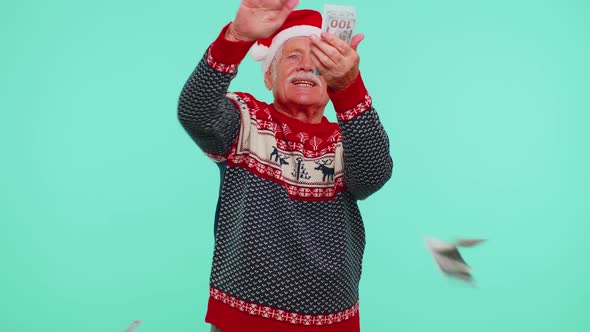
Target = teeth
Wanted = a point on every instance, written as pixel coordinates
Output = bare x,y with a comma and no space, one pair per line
304,83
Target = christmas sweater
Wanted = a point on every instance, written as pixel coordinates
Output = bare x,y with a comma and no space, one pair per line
289,238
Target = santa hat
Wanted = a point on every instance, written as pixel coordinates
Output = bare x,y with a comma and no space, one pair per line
299,23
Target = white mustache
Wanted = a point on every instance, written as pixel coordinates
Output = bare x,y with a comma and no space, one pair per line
306,76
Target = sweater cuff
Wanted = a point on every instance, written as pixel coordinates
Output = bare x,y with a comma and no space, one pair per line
351,101
224,55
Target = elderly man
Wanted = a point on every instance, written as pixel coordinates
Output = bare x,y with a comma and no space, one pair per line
289,238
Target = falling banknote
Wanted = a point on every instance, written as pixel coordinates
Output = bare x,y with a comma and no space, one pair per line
133,326
339,21
448,258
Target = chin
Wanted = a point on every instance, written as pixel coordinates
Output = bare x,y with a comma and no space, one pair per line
304,99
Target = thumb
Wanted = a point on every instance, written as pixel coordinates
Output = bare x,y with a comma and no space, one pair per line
356,40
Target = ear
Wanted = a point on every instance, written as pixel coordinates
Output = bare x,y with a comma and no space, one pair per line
268,79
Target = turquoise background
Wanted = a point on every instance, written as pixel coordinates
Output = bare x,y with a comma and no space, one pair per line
107,206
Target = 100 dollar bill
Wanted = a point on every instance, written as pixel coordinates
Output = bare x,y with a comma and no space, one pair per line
339,21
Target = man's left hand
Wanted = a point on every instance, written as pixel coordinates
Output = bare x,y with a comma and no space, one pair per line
337,61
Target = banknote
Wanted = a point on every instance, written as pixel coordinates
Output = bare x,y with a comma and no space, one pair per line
449,260
340,21
133,326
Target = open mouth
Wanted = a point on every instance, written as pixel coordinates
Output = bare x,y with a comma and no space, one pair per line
304,83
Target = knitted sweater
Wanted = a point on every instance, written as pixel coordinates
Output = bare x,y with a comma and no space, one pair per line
289,238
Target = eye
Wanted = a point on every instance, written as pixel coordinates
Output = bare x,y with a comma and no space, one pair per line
293,56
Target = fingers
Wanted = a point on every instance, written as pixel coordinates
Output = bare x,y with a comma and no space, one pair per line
356,40
325,53
336,42
331,50
287,7
320,66
335,59
272,5
291,4
322,61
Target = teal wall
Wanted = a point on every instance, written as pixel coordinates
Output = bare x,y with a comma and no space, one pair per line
107,206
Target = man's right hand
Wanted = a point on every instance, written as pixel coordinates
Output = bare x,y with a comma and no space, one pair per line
259,18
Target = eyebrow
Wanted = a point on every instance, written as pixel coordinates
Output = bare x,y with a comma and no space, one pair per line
296,49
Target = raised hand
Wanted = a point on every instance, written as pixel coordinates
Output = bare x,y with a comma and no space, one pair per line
337,61
259,18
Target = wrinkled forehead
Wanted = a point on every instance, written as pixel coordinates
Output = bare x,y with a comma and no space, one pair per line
302,43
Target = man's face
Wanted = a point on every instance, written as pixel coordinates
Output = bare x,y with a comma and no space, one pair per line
292,78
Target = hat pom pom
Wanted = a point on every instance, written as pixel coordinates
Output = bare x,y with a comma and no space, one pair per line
259,52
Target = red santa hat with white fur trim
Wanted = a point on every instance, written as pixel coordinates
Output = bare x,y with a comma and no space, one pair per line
299,23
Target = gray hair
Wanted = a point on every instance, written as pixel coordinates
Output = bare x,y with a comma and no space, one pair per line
275,63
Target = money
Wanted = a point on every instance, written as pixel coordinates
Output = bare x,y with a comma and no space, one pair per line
133,326
468,242
339,21
448,258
